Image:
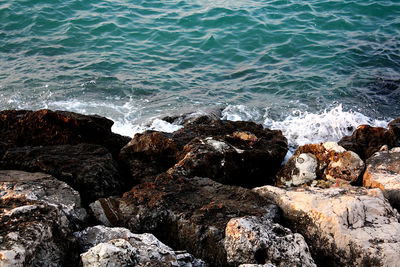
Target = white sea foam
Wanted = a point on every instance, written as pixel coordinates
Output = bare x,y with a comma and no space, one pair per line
302,127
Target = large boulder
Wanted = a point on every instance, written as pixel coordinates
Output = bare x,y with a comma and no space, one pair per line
89,169
225,151
323,164
46,127
366,140
106,246
37,218
259,241
189,213
383,171
343,226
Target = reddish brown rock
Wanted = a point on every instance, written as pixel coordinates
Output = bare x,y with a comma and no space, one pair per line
324,164
394,130
366,140
147,154
190,214
46,127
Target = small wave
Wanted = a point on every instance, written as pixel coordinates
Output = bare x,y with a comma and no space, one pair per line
302,127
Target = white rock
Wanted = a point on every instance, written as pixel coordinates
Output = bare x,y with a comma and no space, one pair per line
346,226
255,240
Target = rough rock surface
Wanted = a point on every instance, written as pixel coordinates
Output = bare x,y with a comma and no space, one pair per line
147,154
343,226
225,151
383,171
254,240
322,164
46,127
366,140
189,214
89,169
120,247
38,215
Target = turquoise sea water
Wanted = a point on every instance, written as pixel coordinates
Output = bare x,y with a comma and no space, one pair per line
311,68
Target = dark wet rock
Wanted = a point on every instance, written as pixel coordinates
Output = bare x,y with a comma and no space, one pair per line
225,151
46,127
324,165
187,118
190,214
148,154
106,246
366,140
383,171
256,240
38,215
89,169
394,131
349,226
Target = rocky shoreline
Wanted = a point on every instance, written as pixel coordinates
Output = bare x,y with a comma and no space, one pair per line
213,193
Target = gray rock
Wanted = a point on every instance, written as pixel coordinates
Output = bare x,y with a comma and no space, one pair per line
118,246
257,240
37,217
343,226
383,171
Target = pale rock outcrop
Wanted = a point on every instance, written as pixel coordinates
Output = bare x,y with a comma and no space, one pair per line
257,240
343,226
383,171
37,218
107,246
323,165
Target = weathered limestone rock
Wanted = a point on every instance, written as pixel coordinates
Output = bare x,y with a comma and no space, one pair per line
254,240
190,213
322,164
89,169
224,151
37,218
120,247
46,127
343,226
105,210
383,171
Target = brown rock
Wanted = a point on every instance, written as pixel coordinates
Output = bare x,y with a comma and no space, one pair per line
394,131
225,151
190,214
383,171
89,169
147,154
46,127
366,140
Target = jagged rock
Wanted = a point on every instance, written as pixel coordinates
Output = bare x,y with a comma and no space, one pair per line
254,240
257,265
120,247
46,127
366,140
89,169
149,153
225,151
104,210
343,226
323,164
383,171
38,215
190,214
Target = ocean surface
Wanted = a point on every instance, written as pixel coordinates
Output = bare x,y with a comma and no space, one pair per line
314,69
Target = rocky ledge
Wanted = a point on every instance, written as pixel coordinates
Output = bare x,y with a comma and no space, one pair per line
213,193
